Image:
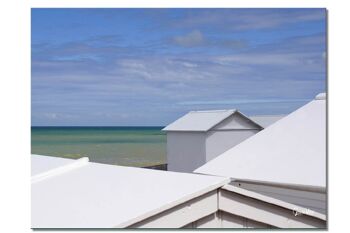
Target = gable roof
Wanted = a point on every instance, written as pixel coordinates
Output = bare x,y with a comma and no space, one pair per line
77,198
203,121
291,152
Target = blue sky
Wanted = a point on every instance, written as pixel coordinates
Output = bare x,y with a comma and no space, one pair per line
150,66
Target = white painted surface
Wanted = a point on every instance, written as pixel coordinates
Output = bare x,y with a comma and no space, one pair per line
292,151
185,151
183,214
217,142
236,121
105,196
312,200
188,150
233,221
210,221
42,163
199,120
262,211
223,219
75,164
270,200
321,96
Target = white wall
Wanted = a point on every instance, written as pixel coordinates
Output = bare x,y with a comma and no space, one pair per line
188,150
217,142
185,151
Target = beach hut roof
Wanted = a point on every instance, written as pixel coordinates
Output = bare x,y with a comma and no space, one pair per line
78,193
42,164
204,120
291,151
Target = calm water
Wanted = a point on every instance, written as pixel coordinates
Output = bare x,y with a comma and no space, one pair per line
129,146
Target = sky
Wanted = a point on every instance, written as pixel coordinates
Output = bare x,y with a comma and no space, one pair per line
148,67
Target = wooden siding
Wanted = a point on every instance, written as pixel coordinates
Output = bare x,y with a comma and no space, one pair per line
183,214
312,200
267,213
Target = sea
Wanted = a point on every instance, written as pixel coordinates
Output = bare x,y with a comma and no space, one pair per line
125,146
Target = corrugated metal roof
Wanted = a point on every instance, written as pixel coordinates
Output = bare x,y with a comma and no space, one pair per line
106,196
203,120
266,120
291,151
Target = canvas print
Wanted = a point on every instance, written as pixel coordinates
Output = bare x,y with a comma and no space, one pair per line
178,118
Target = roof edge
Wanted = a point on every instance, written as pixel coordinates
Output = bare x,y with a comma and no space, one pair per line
233,111
321,96
249,119
75,164
179,201
300,187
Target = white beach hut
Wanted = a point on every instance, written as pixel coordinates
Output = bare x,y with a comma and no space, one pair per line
200,136
286,162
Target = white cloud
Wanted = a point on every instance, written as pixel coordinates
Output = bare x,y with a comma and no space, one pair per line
278,59
189,65
193,38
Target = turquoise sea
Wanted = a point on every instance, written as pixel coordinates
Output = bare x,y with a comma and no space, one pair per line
127,146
